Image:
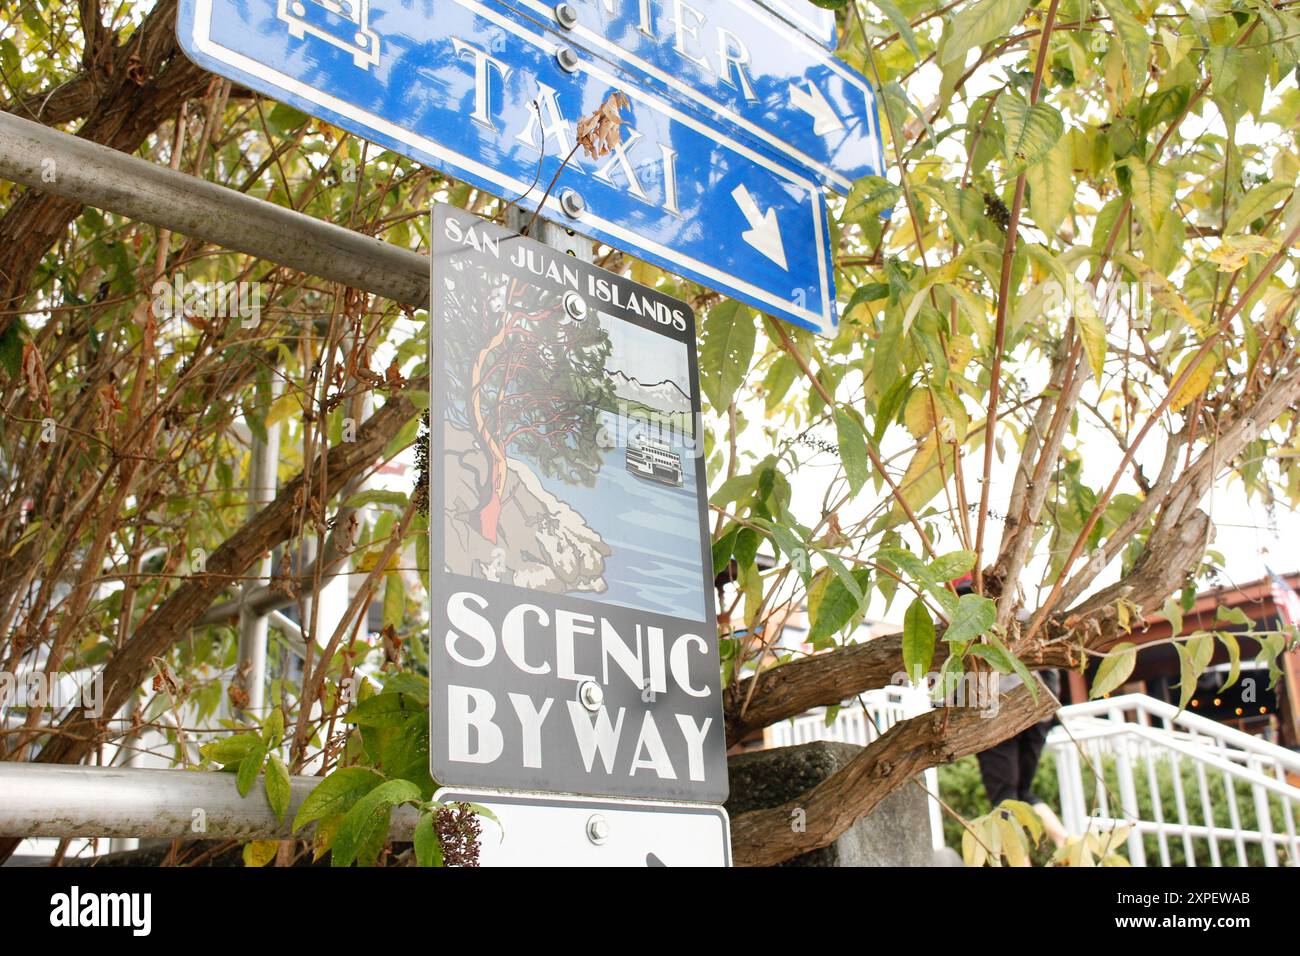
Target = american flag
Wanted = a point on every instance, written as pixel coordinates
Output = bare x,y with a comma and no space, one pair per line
1285,599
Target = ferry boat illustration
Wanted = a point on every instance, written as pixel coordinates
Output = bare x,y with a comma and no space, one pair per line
343,23
652,458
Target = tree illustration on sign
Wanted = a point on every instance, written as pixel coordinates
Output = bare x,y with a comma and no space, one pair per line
532,385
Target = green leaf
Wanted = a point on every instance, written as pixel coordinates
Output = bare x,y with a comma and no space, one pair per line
249,767
335,794
853,450
869,197
949,567
896,17
1193,657
412,685
1017,665
1114,670
977,23
1234,657
723,548
365,827
1231,615
394,598
1133,36
1256,204
1173,612
1151,189
838,606
1051,187
975,614
273,727
994,655
428,849
1032,131
230,750
726,349
918,640
284,119
378,496
277,786
383,710
405,436
11,348
791,546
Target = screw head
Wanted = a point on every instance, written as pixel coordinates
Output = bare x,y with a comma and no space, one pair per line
597,829
567,59
566,16
590,695
572,204
575,306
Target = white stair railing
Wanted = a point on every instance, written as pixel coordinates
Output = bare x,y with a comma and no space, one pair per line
860,721
1137,750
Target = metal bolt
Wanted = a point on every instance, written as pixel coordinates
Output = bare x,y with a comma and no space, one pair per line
566,15
575,306
572,204
597,829
590,695
567,59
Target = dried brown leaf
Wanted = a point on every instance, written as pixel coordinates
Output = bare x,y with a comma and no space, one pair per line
602,131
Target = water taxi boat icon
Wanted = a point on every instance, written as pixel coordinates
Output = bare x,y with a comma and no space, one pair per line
343,23
653,458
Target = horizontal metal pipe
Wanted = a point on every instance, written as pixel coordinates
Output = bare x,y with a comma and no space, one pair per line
69,802
94,175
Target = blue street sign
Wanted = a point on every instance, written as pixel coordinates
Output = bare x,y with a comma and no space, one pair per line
816,22
738,65
481,93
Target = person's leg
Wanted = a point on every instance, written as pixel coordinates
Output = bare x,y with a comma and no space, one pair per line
1030,748
1000,771
1052,824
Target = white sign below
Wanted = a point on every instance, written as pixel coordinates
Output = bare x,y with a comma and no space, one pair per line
536,829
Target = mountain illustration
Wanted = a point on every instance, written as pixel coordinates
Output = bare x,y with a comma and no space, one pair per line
665,396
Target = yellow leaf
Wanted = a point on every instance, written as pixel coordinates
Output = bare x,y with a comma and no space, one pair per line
1197,382
260,852
919,414
281,409
1235,251
922,480
1162,290
1093,332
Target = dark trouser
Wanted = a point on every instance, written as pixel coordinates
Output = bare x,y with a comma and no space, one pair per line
1008,769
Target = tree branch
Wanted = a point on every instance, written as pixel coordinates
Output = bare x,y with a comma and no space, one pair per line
765,837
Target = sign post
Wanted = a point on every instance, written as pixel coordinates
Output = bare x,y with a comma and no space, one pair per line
573,646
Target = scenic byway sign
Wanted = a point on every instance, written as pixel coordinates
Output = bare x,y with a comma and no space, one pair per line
541,830
741,66
492,98
573,643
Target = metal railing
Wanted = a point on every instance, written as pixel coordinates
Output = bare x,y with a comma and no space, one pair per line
1182,783
860,721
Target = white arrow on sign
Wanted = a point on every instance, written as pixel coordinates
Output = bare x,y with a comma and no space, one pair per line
764,234
812,102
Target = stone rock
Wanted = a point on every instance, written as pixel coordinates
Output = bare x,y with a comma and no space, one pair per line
542,543
896,833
